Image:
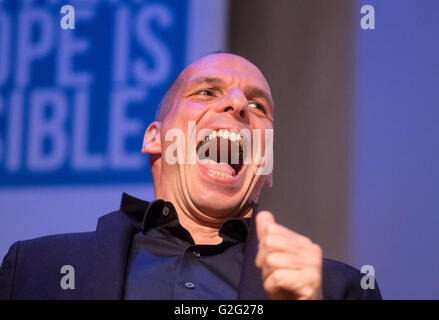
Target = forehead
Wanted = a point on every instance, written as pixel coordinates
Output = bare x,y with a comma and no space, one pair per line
230,67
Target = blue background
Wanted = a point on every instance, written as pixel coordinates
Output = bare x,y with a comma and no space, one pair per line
167,27
395,187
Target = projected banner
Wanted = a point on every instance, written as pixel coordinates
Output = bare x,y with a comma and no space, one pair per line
74,103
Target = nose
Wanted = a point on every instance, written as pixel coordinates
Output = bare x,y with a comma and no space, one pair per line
236,104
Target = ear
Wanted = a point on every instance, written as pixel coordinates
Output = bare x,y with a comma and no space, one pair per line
269,180
151,140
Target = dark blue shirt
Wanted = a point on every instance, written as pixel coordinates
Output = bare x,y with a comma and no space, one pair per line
165,263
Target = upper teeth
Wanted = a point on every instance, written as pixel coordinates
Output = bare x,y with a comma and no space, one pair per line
225,134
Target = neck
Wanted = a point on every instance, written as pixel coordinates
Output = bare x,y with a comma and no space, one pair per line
203,231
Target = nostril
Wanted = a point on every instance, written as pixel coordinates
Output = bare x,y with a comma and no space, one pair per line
229,108
242,113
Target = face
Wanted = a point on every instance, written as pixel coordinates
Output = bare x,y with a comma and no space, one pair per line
220,94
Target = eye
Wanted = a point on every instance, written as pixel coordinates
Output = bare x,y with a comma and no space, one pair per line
257,106
204,92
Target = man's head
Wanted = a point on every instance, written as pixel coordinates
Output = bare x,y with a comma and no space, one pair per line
219,93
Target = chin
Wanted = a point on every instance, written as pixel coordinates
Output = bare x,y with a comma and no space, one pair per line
216,196
218,207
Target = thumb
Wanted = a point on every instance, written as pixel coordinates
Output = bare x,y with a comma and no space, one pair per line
263,220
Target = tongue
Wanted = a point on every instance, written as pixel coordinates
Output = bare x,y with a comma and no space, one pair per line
219,167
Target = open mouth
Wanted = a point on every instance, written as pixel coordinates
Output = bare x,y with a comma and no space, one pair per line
222,152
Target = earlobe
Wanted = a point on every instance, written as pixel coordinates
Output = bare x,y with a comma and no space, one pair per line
151,139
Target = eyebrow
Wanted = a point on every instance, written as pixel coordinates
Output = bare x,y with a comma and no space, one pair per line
255,92
209,80
252,91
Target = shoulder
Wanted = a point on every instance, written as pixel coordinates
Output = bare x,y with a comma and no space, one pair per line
335,270
31,268
49,246
342,281
65,244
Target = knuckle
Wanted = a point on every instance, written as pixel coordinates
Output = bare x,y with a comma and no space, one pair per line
268,241
271,228
269,287
278,277
317,249
303,240
317,262
315,276
306,292
270,259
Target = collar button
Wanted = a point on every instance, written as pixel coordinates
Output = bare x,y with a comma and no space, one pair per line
165,211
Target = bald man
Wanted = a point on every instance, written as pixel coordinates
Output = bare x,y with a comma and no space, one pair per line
202,236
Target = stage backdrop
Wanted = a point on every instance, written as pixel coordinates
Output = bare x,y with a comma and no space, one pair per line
74,103
356,126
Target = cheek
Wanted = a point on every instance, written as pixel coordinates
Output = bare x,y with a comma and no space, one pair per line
185,117
260,122
191,111
265,131
183,112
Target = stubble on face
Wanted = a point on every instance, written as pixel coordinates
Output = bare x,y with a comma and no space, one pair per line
195,193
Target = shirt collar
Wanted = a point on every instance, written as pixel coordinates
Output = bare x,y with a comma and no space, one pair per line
158,212
133,207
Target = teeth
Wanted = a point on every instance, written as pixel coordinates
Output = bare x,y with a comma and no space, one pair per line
220,174
225,134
